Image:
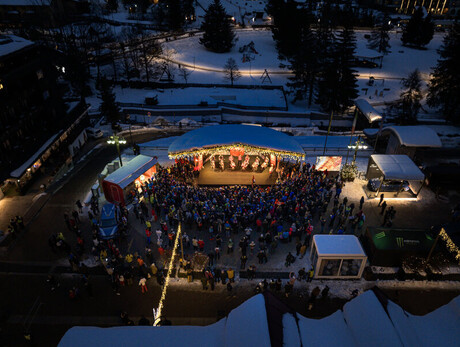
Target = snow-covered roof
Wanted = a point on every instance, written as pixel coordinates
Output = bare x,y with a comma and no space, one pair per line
246,325
415,136
363,321
227,135
25,2
398,167
20,170
338,245
131,170
12,43
369,112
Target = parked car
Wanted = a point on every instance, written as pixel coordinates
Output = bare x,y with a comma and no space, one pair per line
387,186
94,133
108,224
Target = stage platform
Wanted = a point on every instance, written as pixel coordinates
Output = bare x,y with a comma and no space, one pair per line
228,177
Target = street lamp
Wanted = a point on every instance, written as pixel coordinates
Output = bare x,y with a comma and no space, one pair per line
360,144
117,140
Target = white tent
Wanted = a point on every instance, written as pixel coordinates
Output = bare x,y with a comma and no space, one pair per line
397,167
246,325
364,321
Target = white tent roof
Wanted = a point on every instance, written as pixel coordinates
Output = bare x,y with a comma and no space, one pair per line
131,170
415,136
398,167
364,321
221,135
246,325
338,245
371,113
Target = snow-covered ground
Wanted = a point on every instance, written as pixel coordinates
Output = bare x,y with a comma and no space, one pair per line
207,67
212,96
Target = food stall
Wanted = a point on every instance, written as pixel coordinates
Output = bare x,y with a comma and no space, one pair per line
118,185
337,256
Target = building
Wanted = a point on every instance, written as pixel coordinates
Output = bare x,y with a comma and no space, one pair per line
32,111
17,13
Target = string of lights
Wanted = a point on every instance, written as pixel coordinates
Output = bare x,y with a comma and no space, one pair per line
450,245
260,150
168,276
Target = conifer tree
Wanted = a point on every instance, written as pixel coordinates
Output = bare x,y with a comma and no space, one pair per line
288,21
409,104
109,107
379,39
176,16
218,34
444,87
337,87
304,65
419,31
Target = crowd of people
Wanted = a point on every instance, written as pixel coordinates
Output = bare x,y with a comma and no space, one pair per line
245,222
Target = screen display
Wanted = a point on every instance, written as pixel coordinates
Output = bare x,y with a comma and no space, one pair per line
328,163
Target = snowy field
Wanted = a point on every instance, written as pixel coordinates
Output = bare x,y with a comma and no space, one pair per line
212,96
207,66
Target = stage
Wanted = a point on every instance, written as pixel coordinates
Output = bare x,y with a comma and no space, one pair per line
209,177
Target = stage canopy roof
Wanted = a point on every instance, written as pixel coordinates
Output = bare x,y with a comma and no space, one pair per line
398,167
264,140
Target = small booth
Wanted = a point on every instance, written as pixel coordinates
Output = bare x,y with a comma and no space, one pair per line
131,176
395,173
337,256
388,247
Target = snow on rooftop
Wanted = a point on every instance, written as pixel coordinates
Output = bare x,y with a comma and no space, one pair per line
362,322
369,112
221,135
338,245
131,170
12,43
313,334
415,136
398,167
369,322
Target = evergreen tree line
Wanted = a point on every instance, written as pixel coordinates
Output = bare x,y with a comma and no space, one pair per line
321,59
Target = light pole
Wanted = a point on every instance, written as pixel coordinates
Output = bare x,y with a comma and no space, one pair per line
360,144
117,140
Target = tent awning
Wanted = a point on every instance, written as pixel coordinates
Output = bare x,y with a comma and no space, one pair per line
398,167
369,112
130,171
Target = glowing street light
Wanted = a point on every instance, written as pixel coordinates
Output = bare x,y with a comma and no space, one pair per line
359,144
117,140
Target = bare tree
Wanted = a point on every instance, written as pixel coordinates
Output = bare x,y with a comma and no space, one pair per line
184,73
232,73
